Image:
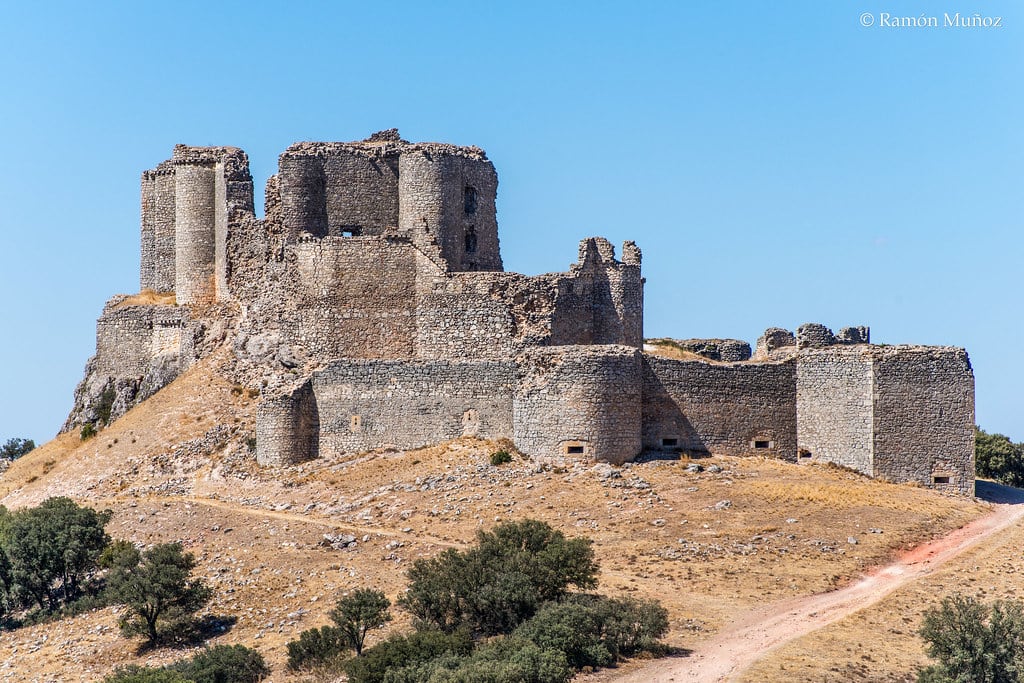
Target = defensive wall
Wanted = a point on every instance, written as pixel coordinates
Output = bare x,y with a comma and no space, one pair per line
371,309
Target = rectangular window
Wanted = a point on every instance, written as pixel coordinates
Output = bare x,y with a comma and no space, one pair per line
940,480
670,442
762,444
574,450
805,454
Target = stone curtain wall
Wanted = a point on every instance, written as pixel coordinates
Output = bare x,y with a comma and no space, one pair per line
725,408
370,404
579,402
834,399
347,297
128,338
924,416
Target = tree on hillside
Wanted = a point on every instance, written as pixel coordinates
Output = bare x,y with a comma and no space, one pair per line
56,543
359,613
15,448
157,592
501,582
996,457
974,642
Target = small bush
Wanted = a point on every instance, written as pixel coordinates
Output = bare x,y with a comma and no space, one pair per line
500,457
224,664
106,404
400,651
316,647
139,674
88,431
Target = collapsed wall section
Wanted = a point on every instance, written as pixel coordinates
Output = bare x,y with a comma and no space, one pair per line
371,404
834,406
579,402
924,416
700,407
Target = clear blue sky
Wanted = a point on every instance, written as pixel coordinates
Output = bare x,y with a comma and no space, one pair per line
778,163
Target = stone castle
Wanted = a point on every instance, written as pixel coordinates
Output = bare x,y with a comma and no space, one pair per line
370,309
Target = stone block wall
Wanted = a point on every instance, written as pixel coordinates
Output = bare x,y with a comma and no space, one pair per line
834,406
189,205
346,297
579,402
370,404
723,408
287,427
339,189
924,416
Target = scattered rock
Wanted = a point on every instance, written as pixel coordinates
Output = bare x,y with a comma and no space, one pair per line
723,505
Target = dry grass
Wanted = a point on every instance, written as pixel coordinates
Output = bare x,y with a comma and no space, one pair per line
658,530
148,297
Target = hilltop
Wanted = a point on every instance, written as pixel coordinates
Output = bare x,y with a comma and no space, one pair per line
709,544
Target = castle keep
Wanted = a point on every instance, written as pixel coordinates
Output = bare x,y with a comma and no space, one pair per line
370,308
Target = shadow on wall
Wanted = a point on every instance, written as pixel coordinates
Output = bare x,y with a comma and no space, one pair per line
665,426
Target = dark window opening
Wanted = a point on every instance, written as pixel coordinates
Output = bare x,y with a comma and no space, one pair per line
350,231
762,444
670,442
574,450
471,240
940,480
469,200
805,454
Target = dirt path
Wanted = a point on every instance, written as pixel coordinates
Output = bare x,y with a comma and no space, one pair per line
742,643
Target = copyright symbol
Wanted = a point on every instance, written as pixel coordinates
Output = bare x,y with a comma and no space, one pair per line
867,19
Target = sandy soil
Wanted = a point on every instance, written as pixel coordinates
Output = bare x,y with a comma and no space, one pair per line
734,649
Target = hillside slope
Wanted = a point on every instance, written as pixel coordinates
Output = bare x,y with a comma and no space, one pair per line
710,545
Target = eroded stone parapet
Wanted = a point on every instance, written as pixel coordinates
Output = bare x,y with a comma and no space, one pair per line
854,335
773,338
814,336
725,350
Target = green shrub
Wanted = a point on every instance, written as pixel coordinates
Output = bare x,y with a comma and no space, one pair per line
224,664
15,448
628,625
400,651
139,674
315,647
359,613
88,431
500,457
106,404
572,629
974,641
996,457
158,594
492,588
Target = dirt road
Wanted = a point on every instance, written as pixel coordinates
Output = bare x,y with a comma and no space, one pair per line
742,643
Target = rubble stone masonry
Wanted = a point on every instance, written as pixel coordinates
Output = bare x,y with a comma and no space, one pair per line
371,309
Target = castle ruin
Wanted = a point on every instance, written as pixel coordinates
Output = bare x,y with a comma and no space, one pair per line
371,309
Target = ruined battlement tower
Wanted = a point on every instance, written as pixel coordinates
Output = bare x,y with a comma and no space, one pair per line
187,203
370,308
